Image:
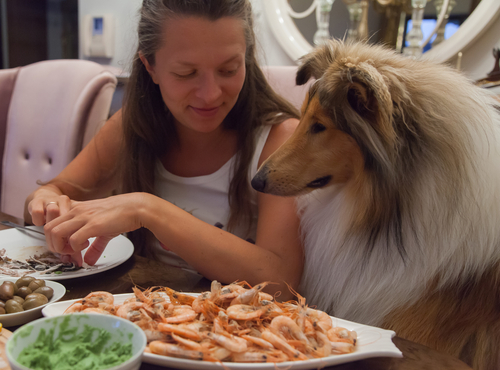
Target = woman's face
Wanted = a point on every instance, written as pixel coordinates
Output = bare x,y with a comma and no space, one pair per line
200,69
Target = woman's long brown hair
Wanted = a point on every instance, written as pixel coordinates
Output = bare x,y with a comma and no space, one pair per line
148,124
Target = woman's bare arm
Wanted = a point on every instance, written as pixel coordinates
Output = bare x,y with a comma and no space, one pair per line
276,256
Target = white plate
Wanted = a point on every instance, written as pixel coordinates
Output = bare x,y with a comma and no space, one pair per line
19,318
20,245
372,342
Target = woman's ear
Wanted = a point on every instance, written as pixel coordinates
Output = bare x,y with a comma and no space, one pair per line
149,67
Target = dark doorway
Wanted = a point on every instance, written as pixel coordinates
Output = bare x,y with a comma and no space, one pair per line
35,30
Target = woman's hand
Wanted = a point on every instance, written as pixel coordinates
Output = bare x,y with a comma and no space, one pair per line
47,204
103,219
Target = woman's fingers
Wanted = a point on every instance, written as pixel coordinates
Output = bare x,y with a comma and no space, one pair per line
60,235
37,210
96,249
77,258
52,211
46,209
102,219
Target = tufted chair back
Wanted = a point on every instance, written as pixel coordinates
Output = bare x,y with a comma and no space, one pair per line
48,111
282,80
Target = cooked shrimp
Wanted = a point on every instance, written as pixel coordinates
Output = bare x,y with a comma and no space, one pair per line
181,330
249,296
287,328
342,347
220,353
180,314
339,334
283,345
198,302
236,322
250,357
178,297
244,312
150,328
230,342
96,310
141,296
167,349
210,310
258,341
96,299
319,319
131,311
260,356
191,344
75,307
325,346
265,297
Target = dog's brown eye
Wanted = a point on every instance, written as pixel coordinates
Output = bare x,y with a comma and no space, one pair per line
317,127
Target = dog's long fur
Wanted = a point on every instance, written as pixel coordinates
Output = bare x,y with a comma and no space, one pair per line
404,232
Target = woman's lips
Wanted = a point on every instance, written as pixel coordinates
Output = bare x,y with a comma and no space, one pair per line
206,112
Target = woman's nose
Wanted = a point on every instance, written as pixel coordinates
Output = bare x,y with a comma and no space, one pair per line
209,88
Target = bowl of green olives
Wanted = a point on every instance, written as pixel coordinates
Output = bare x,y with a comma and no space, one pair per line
22,299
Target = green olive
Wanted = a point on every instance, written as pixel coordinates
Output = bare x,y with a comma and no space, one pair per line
46,291
12,306
36,296
2,304
24,291
19,299
24,281
33,302
35,284
6,290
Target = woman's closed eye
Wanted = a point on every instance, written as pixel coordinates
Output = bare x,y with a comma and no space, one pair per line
224,72
228,72
184,74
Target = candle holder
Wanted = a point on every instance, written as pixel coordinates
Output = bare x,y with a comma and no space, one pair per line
355,15
323,9
358,19
415,36
440,32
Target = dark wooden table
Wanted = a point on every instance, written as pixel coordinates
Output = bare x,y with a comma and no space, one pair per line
144,273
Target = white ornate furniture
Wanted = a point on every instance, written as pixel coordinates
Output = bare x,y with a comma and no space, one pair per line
295,45
48,111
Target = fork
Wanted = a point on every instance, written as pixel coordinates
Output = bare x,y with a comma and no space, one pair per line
20,227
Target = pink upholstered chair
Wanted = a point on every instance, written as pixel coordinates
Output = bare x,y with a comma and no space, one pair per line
282,79
48,111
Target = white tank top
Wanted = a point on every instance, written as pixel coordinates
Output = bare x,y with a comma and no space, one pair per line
206,198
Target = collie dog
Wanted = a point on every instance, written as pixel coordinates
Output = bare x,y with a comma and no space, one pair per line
397,164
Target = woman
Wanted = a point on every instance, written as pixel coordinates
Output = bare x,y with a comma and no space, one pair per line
198,119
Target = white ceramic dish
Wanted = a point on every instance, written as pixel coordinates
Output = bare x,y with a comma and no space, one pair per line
122,331
19,318
21,245
372,342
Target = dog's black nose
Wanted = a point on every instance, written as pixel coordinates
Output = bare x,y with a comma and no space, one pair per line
259,182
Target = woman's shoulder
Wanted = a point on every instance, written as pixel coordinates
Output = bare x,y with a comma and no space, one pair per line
279,133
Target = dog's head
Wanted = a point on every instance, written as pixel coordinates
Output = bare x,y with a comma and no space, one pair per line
347,120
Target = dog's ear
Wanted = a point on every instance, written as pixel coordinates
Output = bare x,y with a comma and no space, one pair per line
358,98
370,118
367,91
315,63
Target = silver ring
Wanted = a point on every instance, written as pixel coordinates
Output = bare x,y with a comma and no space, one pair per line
50,203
